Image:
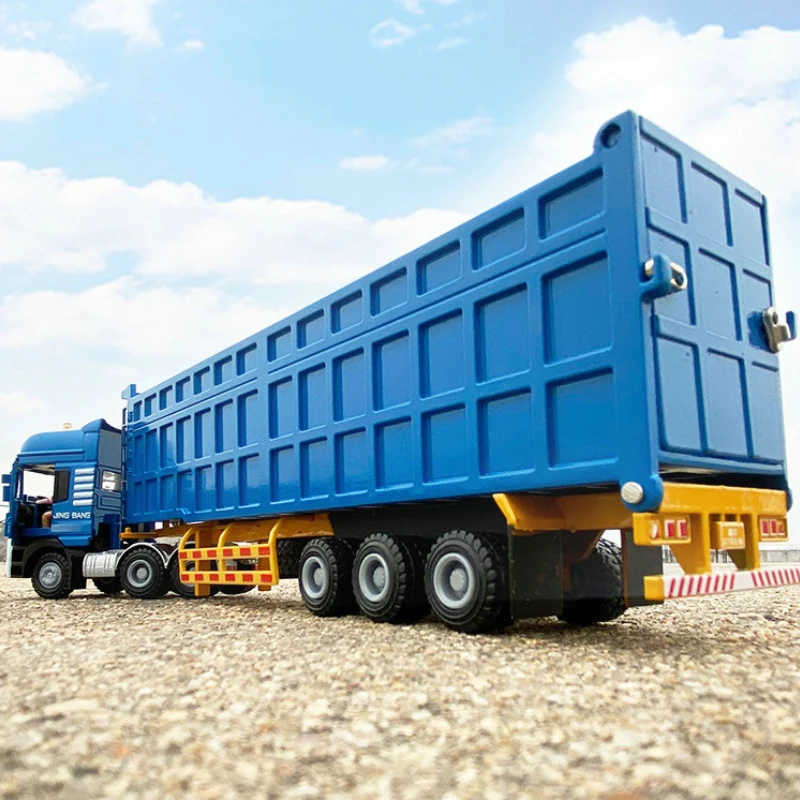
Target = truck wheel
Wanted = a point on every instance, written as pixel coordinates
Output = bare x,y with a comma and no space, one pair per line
388,580
185,590
52,576
596,594
239,588
108,586
289,551
143,574
325,584
176,584
464,582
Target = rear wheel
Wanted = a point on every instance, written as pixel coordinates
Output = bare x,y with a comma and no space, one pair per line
388,580
109,586
325,577
143,574
52,576
596,594
465,582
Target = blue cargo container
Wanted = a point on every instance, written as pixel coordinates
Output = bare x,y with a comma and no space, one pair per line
524,350
599,351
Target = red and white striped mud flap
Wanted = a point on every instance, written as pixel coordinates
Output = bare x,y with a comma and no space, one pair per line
670,587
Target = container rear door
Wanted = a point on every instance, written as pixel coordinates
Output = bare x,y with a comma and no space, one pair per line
716,379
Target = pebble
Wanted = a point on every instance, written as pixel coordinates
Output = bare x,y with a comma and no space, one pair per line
253,696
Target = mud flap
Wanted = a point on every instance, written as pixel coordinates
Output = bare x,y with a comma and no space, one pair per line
535,569
637,563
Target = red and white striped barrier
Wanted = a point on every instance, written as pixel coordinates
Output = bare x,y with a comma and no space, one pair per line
725,582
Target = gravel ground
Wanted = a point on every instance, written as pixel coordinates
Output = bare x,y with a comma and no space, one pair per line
251,696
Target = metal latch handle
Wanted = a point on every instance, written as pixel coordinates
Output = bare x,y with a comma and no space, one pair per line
679,280
662,276
777,329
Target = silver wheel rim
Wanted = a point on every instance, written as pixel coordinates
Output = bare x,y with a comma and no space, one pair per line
454,581
140,574
373,578
315,577
51,575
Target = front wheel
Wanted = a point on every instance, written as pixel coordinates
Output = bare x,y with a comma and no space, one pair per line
465,582
52,576
143,574
596,594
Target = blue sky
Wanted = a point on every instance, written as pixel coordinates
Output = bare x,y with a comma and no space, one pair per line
176,174
282,91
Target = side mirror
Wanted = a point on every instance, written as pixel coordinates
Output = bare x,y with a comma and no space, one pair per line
6,481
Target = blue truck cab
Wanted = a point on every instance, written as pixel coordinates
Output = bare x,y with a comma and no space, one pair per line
65,500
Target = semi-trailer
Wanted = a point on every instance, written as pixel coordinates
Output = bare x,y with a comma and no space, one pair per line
454,431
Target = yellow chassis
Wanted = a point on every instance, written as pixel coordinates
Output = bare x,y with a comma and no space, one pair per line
692,520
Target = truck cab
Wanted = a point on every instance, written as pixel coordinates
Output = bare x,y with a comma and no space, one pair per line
65,500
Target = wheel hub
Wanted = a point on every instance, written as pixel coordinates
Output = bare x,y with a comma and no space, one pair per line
140,573
373,578
50,575
315,577
454,581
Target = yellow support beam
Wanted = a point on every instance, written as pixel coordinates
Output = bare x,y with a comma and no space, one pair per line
529,513
690,520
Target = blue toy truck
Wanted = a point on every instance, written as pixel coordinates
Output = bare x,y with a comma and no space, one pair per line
454,431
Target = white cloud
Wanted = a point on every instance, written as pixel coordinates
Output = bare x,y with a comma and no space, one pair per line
19,404
51,222
132,18
390,32
417,6
460,132
365,163
21,29
467,20
33,82
193,46
200,274
452,42
735,98
89,320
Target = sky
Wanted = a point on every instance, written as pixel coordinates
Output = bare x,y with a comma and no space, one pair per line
177,174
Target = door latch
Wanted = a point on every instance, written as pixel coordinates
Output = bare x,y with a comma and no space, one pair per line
662,276
777,329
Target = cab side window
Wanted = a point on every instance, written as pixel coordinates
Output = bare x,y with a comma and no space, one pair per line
61,488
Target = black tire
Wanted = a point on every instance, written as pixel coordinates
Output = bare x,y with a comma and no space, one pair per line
239,588
289,552
388,580
185,590
52,576
109,586
597,592
326,566
465,582
143,574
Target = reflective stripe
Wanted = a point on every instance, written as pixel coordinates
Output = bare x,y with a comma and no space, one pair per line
676,586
